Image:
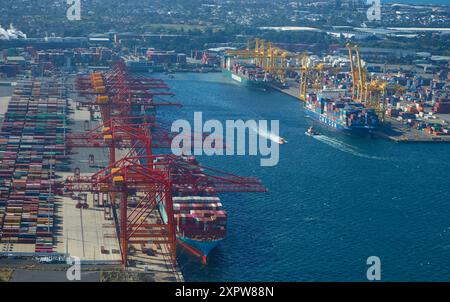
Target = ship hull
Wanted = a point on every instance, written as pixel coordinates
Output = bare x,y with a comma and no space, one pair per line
203,248
330,123
243,80
197,247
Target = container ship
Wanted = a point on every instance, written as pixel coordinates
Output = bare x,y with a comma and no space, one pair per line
246,73
342,114
138,64
200,223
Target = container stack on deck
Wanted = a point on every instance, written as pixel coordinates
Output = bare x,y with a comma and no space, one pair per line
200,218
31,147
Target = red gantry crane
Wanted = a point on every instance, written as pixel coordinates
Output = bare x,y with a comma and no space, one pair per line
153,183
151,179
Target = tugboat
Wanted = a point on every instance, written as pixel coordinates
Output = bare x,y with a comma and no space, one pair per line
312,132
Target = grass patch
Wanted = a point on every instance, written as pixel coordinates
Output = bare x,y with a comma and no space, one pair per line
125,276
6,275
116,276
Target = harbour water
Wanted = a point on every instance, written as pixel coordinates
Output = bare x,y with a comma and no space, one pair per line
419,2
333,201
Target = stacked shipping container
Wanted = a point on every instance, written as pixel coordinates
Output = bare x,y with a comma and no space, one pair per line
200,218
31,144
251,72
343,111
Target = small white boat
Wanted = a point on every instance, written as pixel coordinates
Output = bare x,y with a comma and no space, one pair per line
312,132
282,141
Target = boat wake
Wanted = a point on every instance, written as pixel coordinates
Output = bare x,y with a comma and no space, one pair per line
274,138
344,147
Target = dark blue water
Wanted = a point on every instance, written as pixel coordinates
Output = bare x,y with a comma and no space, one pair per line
332,203
440,2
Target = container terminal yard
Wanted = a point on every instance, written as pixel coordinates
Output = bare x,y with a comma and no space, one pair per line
208,141
79,177
411,105
77,154
84,164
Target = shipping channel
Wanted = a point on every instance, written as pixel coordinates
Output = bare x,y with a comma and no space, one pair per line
334,200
